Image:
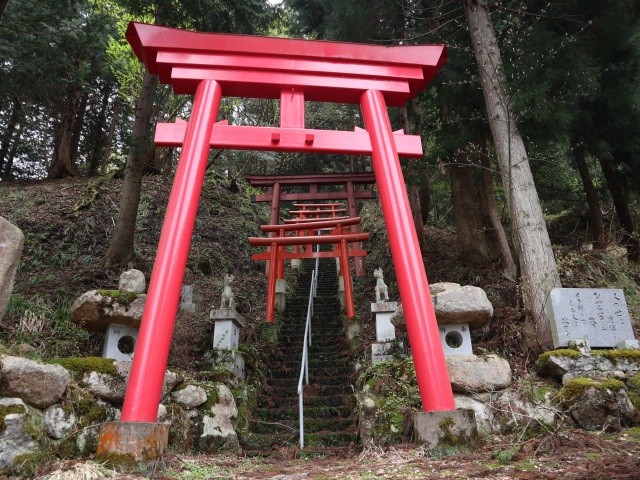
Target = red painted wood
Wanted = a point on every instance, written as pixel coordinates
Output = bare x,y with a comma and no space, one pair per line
286,58
359,194
315,224
422,328
290,140
312,240
152,347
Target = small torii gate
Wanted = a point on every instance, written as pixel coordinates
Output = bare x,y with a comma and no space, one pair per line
294,71
304,237
350,193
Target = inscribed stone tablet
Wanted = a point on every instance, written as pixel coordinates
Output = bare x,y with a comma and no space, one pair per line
596,314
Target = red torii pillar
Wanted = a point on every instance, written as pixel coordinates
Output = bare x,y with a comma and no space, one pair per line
294,71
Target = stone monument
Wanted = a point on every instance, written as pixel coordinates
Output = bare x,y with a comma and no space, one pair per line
381,313
11,244
226,332
597,315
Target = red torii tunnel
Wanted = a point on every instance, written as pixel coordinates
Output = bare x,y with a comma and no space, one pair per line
212,65
276,184
306,237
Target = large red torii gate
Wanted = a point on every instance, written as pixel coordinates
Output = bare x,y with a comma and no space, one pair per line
294,71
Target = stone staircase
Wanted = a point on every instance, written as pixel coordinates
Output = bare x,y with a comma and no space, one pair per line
329,401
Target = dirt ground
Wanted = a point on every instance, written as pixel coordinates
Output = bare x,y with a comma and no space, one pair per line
569,455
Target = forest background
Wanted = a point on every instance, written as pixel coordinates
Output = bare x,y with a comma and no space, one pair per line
532,123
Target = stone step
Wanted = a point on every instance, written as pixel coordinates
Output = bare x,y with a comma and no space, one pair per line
291,413
311,425
314,379
332,370
319,391
312,440
311,399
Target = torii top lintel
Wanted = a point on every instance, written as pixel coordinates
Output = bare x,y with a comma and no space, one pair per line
261,67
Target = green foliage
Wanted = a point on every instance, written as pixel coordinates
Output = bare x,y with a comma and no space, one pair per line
574,388
83,365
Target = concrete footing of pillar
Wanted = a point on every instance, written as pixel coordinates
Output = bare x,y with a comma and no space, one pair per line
454,428
133,441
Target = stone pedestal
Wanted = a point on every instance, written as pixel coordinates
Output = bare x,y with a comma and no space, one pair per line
381,313
226,328
386,351
446,429
231,360
281,295
341,295
132,441
186,299
456,339
120,342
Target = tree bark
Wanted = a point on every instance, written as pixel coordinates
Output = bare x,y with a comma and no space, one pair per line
120,249
537,265
473,246
8,166
629,235
596,224
488,204
106,155
96,134
413,191
9,131
78,123
3,5
62,161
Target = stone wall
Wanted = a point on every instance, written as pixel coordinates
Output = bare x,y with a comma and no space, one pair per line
55,410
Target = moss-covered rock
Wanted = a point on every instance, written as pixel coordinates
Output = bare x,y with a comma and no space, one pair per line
595,405
387,395
82,365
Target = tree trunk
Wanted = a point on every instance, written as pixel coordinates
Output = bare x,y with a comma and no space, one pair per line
9,131
629,235
121,243
596,225
489,206
96,134
472,241
106,155
81,110
62,162
538,269
3,5
8,166
413,191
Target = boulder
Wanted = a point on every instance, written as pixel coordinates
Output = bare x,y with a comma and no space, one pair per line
132,281
597,406
482,412
95,310
468,304
514,410
112,387
171,379
14,437
37,384
105,386
566,364
454,304
478,373
190,396
218,431
11,243
58,423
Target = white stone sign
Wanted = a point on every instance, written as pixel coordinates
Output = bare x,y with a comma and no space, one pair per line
595,314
